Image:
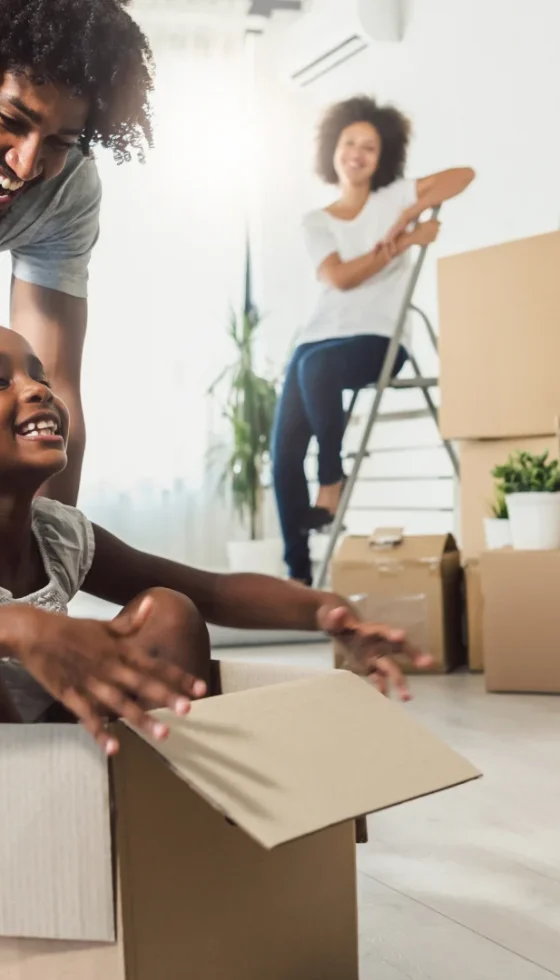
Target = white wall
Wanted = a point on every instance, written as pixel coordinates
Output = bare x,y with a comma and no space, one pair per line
481,82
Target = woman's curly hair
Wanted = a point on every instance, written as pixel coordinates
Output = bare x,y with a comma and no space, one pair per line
392,126
96,50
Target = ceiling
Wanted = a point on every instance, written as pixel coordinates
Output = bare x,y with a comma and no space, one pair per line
258,8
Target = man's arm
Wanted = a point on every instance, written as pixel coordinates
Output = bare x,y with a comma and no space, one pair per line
54,324
119,573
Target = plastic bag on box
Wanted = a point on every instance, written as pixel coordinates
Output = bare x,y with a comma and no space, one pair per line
403,612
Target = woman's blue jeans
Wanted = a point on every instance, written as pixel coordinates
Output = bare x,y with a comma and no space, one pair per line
311,404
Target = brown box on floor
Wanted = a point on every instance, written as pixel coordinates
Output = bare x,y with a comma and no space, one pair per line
234,842
473,596
499,342
521,620
478,459
409,582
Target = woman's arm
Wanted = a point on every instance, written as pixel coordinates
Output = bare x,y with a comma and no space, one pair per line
437,188
349,275
431,192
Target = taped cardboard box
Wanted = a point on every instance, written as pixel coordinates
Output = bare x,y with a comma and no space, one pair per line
409,582
521,621
478,459
228,852
499,343
473,605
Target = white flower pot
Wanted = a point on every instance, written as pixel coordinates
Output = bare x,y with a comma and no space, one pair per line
497,531
261,557
534,520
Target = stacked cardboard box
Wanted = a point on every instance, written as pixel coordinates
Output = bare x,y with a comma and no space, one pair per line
409,582
500,386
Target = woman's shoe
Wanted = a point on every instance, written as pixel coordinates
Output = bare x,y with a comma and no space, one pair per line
317,518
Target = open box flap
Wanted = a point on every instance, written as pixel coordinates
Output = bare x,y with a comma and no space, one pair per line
291,759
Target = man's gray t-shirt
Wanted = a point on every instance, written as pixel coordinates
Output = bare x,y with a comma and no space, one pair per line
52,228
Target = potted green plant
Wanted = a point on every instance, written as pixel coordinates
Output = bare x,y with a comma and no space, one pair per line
531,488
497,528
248,405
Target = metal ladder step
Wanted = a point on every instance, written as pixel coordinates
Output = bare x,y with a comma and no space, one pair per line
375,450
408,416
420,383
400,508
403,479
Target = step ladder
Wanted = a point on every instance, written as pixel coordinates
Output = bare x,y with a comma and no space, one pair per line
387,381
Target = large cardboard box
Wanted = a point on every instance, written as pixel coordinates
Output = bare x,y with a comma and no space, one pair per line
474,599
521,618
499,342
410,582
478,459
226,854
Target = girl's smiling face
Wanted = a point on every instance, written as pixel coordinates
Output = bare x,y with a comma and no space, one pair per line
33,421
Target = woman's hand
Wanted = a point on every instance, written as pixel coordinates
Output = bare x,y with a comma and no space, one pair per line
102,669
407,217
426,232
370,648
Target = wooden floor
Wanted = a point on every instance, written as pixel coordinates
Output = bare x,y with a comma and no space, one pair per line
465,885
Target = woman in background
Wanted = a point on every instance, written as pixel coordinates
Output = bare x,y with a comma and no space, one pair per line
359,247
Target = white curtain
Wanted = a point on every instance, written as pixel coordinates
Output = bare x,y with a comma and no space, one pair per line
167,269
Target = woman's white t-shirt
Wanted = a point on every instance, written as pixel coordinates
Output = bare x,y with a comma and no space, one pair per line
373,307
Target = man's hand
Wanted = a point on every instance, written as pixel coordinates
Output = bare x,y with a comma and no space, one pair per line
105,669
370,648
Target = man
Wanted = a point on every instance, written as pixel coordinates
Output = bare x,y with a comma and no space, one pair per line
74,74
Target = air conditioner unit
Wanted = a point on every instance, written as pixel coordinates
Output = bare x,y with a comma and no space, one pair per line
333,31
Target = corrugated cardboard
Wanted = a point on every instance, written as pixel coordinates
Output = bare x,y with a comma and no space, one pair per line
413,584
521,620
474,599
478,459
499,343
235,843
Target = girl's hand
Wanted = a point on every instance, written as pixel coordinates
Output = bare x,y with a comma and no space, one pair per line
370,647
101,669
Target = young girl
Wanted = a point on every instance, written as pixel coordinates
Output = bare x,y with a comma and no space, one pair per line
359,247
156,653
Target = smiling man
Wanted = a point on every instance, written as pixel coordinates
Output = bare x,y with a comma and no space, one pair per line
74,74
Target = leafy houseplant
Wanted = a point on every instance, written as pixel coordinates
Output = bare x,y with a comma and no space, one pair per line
249,405
497,528
525,473
499,507
530,486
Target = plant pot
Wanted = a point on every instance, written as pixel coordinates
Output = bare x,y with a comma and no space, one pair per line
261,557
534,520
497,531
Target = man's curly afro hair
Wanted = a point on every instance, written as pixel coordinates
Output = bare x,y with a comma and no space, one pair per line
392,126
95,49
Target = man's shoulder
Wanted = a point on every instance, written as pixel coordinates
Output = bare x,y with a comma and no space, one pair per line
79,183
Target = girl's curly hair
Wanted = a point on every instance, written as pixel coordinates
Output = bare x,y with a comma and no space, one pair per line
95,49
392,126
